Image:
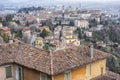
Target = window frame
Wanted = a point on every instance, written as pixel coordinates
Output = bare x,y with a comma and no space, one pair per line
65,78
44,75
17,73
10,72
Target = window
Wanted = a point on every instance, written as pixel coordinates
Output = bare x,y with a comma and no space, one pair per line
68,75
19,73
102,69
88,70
8,71
43,77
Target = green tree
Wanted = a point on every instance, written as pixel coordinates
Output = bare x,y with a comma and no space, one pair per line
46,47
71,23
5,38
9,17
44,33
79,32
0,19
17,33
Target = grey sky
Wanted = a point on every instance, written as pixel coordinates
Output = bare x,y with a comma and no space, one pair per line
17,1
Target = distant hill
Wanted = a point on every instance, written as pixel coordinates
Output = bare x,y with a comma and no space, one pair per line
29,9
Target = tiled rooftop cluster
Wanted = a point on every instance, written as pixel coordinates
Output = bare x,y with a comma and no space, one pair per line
51,63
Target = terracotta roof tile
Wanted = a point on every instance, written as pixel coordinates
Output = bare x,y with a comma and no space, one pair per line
51,63
113,75
103,78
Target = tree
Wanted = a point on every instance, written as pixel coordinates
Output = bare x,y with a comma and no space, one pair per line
79,32
17,33
9,17
5,38
44,33
0,19
48,46
71,23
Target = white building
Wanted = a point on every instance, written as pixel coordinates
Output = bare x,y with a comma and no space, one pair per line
85,16
26,35
88,34
82,23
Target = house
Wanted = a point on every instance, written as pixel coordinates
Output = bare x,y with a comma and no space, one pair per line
20,61
44,27
88,34
81,23
6,31
69,36
85,15
1,25
26,33
39,41
101,44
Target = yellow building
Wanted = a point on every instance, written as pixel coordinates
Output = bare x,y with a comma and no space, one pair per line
45,27
30,63
39,41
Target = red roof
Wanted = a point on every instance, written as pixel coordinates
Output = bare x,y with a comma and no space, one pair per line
50,63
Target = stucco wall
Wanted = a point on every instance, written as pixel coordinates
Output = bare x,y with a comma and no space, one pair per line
30,74
83,73
96,69
3,73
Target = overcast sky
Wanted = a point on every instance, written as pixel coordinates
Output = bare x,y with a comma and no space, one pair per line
14,1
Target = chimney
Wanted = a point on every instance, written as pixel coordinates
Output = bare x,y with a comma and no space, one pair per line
91,54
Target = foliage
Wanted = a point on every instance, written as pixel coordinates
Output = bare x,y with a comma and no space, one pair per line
9,17
26,10
18,22
79,32
47,46
17,34
0,19
5,38
44,33
92,23
71,23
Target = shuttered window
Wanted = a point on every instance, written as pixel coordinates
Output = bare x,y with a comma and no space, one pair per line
8,71
68,75
43,77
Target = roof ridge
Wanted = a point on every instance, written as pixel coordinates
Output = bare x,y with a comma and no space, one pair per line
51,62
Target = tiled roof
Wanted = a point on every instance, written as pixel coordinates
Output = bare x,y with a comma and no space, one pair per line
50,63
108,76
103,78
113,75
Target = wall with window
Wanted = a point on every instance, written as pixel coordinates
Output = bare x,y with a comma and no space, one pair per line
85,72
79,74
7,72
30,74
76,74
59,77
95,69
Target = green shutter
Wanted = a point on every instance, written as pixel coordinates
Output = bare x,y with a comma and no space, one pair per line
43,77
8,72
